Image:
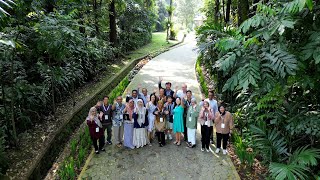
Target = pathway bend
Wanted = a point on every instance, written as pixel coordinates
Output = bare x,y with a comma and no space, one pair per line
171,161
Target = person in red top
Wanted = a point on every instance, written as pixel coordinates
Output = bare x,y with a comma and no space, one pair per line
96,130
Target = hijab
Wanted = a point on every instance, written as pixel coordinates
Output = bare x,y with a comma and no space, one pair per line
95,118
141,111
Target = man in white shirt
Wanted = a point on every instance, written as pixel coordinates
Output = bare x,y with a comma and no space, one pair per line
143,95
182,92
214,106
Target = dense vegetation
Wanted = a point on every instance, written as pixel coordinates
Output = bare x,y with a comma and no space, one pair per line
266,55
49,48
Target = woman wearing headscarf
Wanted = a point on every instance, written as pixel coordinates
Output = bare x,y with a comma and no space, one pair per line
178,127
128,124
96,130
140,116
206,117
151,106
224,125
160,122
191,122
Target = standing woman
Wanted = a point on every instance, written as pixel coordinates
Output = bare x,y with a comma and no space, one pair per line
128,124
160,123
224,126
192,119
140,117
206,117
96,130
178,121
151,106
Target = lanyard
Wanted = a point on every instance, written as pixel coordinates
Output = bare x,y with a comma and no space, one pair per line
189,103
106,110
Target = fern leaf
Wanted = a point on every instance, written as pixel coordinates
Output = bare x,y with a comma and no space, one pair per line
291,171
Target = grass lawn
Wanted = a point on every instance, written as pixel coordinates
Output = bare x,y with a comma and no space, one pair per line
157,43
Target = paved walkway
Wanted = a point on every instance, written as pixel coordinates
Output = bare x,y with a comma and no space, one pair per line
170,161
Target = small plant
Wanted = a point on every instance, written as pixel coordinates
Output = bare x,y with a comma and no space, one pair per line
67,170
244,153
202,80
73,147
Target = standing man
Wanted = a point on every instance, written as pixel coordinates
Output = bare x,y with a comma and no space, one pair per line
214,106
167,90
182,92
187,104
144,95
117,109
134,97
106,118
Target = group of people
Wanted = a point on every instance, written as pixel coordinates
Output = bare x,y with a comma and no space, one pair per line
143,117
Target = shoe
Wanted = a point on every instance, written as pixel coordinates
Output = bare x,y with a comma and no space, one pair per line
207,150
170,137
166,137
191,146
97,152
150,144
102,150
224,151
109,142
160,145
202,149
217,150
179,143
119,145
211,142
175,142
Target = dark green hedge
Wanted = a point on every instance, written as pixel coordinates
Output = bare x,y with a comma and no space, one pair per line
56,144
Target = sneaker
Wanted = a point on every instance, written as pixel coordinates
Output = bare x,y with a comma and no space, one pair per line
207,150
217,150
160,145
102,149
202,149
97,152
109,142
170,137
225,151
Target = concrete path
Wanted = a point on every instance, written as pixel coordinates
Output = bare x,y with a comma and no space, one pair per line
170,161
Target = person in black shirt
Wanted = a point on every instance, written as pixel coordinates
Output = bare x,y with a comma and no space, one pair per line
106,118
167,90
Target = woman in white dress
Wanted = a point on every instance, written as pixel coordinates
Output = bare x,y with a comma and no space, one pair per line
151,106
140,117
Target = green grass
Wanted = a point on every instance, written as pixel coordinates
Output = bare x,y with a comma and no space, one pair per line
158,43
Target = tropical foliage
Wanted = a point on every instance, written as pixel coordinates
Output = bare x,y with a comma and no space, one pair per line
50,48
268,71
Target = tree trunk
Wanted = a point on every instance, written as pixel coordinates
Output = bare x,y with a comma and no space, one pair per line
216,11
228,8
112,24
243,11
95,9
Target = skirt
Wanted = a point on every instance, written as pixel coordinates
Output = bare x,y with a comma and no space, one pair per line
139,137
128,135
151,119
